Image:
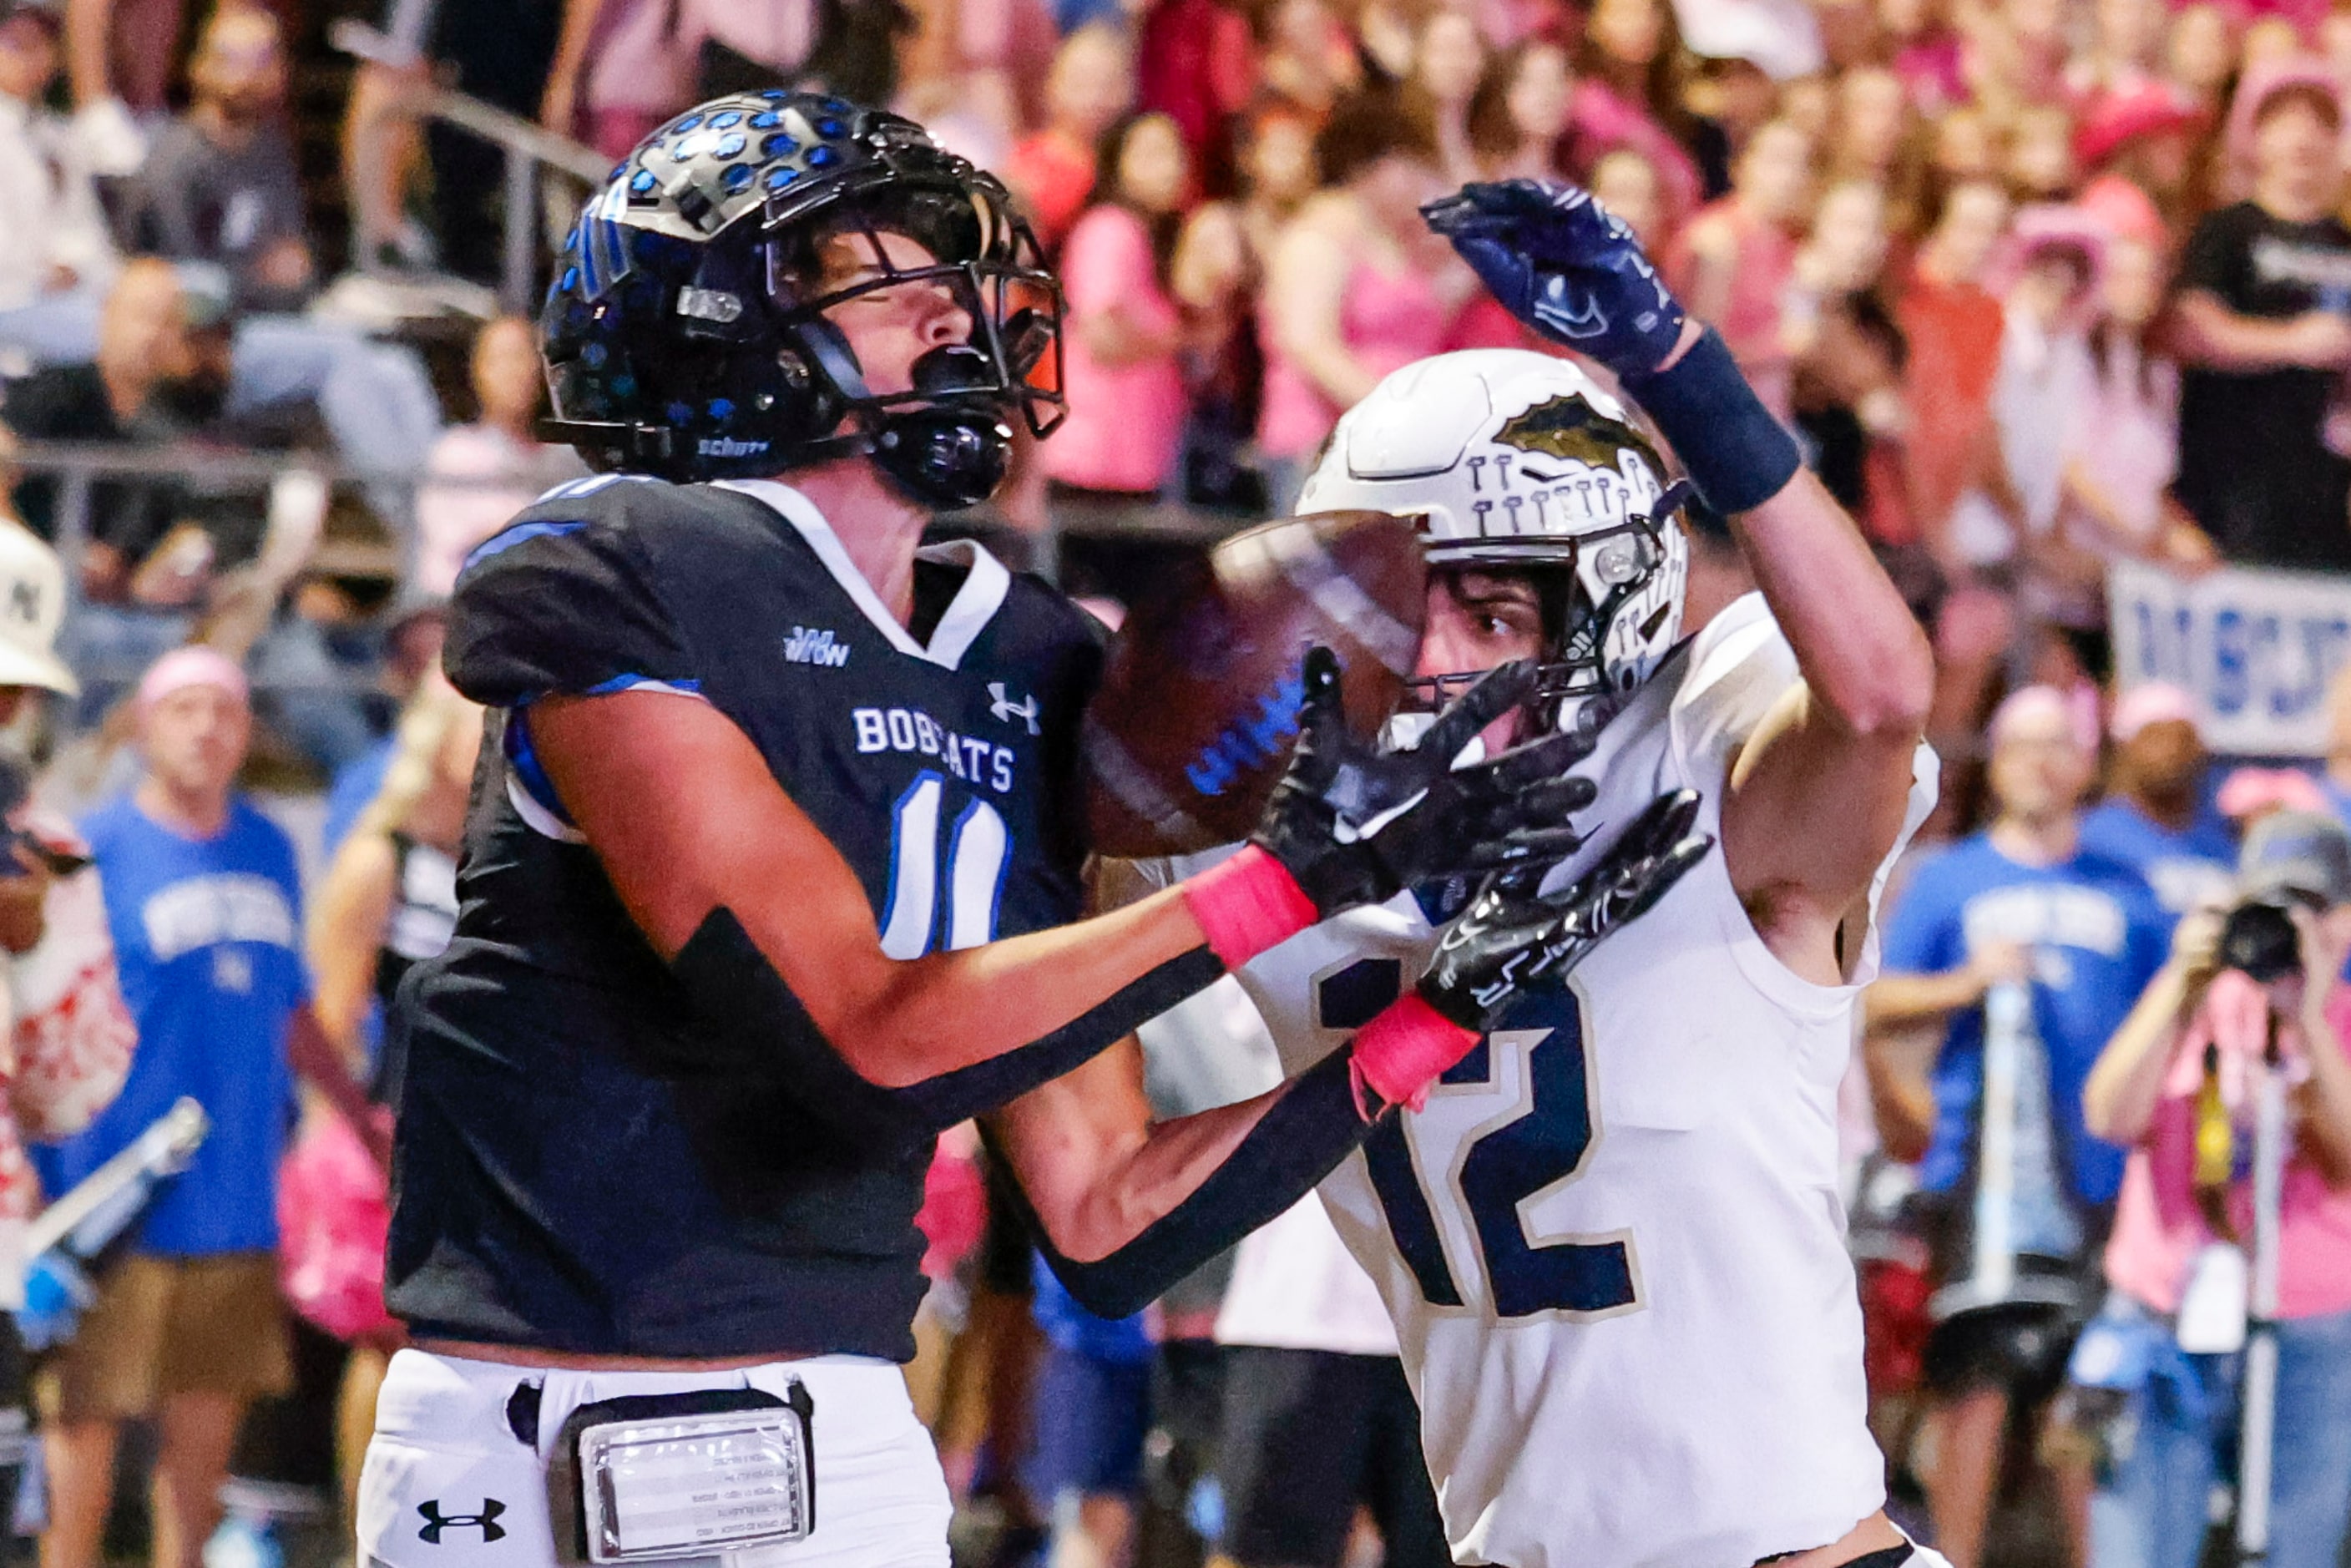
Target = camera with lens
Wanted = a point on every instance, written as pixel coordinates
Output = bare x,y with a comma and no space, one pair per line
2258,936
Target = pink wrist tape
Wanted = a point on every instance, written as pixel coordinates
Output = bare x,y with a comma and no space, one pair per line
1400,1053
1247,904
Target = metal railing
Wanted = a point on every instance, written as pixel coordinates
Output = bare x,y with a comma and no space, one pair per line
529,148
79,466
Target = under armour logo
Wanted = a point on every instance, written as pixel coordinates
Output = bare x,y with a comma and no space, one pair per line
1004,708
435,1521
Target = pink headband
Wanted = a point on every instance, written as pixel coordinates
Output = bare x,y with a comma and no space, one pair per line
2158,702
2253,792
193,665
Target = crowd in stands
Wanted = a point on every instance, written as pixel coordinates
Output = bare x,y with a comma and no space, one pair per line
2045,287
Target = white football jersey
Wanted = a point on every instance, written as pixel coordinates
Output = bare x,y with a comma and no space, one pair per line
1612,1243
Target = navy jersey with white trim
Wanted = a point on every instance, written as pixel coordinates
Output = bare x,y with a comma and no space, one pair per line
584,1163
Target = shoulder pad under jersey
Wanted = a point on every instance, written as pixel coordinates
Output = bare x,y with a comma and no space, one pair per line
564,600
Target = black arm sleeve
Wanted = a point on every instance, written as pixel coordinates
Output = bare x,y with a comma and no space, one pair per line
746,1003
1301,1139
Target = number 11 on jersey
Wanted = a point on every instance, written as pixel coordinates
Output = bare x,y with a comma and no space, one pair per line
970,871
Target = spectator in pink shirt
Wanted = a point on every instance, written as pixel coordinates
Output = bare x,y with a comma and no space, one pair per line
1197,61
1446,70
1734,262
1354,286
1521,112
2015,55
2199,53
2175,1084
1091,84
2118,482
2150,136
1279,170
1310,57
1122,367
1626,184
1924,51
480,475
1876,136
2125,52
619,71
1634,48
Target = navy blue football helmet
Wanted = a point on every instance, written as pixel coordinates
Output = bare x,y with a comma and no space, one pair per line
686,333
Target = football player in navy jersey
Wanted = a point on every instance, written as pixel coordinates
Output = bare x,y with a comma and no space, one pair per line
768,879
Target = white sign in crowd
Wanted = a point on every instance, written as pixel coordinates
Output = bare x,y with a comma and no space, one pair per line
2256,649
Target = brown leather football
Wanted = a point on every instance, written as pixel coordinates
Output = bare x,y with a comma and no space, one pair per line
1197,713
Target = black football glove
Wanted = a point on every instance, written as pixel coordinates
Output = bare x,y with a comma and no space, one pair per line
1354,825
1565,265
1511,937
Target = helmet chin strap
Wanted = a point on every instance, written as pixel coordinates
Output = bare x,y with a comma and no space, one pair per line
947,456
950,452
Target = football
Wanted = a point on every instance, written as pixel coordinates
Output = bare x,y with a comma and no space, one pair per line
1197,711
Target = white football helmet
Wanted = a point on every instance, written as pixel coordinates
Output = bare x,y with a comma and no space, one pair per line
1512,460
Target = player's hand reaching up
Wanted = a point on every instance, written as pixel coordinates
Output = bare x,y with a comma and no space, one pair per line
1565,265
1513,938
1352,824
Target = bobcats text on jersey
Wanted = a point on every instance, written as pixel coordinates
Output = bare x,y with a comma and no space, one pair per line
911,731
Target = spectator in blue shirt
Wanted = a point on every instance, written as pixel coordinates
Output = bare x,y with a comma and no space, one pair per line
2157,818
2021,904
1092,1412
201,897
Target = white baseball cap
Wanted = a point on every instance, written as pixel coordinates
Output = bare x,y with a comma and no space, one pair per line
1781,37
32,607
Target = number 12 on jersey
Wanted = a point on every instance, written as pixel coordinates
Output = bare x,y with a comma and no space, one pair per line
1500,1168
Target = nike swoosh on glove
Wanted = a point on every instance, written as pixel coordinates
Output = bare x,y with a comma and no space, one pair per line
1511,937
1565,265
1352,824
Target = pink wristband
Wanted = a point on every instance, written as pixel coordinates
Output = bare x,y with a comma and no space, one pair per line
1247,904
1399,1054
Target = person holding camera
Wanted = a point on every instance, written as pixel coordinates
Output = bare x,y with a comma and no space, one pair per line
2027,948
2176,1085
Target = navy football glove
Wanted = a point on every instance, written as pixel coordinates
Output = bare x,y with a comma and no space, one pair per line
1353,824
1565,265
1511,939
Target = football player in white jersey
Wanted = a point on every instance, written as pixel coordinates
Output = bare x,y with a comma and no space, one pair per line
1611,1239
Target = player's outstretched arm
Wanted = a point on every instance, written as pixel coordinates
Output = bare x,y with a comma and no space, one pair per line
771,931
1125,1208
1820,793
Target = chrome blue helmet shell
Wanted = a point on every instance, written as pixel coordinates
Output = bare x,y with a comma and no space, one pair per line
686,333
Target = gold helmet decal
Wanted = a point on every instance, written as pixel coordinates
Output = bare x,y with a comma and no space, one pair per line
1568,427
